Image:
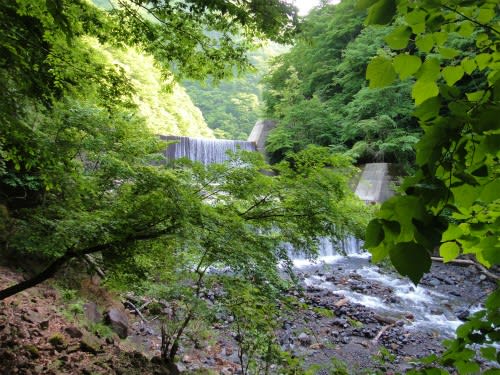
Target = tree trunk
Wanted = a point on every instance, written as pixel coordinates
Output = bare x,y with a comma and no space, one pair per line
41,277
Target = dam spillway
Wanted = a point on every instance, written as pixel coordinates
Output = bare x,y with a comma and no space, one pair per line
203,150
374,183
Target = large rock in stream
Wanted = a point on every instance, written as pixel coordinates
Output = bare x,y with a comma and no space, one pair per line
118,321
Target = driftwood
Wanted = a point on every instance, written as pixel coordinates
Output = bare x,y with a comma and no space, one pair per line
384,319
88,258
130,305
469,263
381,332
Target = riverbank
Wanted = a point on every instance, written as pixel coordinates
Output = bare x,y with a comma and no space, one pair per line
363,316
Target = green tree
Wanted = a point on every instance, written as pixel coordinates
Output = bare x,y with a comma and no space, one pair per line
324,73
233,106
73,142
452,201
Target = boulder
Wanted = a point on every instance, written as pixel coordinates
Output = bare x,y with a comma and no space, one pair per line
73,332
90,344
91,312
118,321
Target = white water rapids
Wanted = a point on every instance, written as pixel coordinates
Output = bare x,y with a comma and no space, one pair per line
350,274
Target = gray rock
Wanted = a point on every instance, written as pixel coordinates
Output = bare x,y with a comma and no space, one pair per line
434,282
118,321
90,344
91,312
304,339
73,332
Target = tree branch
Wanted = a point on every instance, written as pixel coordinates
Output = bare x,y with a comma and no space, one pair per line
51,270
471,19
471,263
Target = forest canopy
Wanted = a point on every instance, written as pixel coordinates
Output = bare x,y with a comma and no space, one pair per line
81,168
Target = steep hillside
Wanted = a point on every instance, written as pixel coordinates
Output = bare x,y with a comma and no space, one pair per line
232,107
164,104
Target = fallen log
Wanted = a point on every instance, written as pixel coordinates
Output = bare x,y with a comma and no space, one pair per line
384,319
469,263
381,332
130,305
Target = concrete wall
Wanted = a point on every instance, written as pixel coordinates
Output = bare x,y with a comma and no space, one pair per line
259,134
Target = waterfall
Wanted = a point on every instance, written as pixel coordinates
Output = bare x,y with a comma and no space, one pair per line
373,186
206,151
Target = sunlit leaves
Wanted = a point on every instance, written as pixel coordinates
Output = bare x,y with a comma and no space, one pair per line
406,65
425,42
449,251
399,37
424,90
380,72
457,105
452,74
381,12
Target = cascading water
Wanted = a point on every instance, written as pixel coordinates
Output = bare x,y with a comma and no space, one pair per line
400,297
206,151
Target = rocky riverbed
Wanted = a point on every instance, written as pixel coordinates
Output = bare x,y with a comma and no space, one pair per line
363,315
366,316
380,320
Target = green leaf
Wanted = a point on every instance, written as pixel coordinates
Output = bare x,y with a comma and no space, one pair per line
475,96
398,38
410,259
416,16
483,60
452,233
449,251
364,4
374,234
469,65
440,38
430,70
448,53
423,90
490,250
380,72
406,65
379,253
425,43
466,29
489,353
465,368
491,191
428,110
381,13
485,15
464,195
452,74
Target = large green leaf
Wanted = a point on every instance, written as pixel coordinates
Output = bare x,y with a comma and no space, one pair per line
399,37
410,259
406,65
423,90
374,234
449,251
381,12
380,72
425,43
430,70
452,74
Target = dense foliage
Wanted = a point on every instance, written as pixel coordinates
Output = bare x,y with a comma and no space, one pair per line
452,202
319,95
232,107
81,169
